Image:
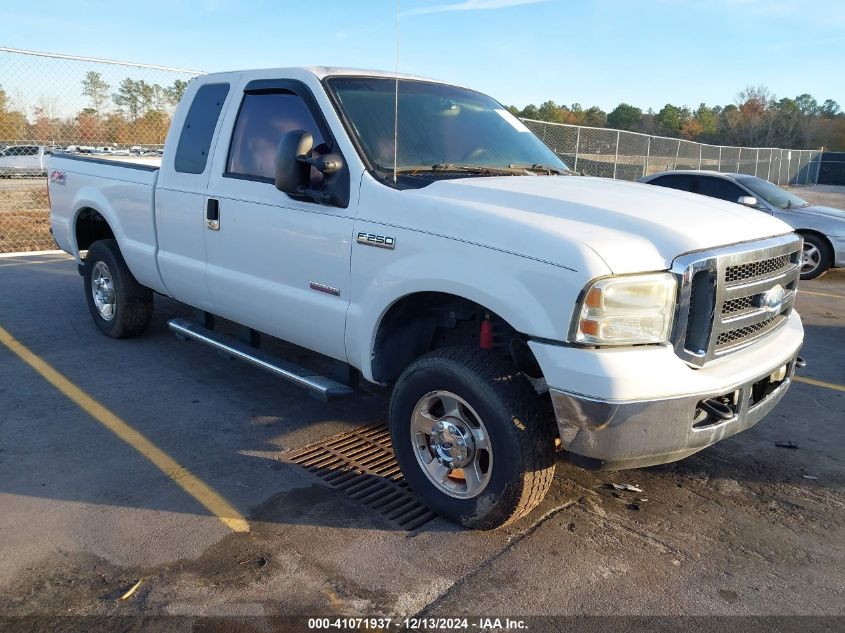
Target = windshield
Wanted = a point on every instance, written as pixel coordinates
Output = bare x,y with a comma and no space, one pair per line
771,193
441,128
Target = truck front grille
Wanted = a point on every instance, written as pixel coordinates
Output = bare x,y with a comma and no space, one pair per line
723,303
756,269
740,334
737,305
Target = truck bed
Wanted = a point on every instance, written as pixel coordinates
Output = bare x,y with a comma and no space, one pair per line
144,162
122,190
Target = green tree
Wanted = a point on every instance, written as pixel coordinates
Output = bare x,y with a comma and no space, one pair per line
97,91
127,98
670,120
552,112
625,117
807,104
829,109
146,96
175,91
594,117
708,120
530,112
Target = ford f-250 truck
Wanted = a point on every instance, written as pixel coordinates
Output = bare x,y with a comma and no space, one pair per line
510,304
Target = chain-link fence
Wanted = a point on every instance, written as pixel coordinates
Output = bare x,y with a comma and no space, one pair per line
105,108
72,104
631,155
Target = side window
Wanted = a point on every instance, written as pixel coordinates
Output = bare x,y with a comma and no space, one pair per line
719,188
262,121
30,151
677,181
198,128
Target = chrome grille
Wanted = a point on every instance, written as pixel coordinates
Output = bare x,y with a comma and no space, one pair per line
737,305
756,269
721,303
725,338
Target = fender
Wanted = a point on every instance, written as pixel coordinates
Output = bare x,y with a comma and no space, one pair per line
135,234
534,297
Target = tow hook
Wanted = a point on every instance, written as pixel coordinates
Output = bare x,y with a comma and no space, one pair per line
800,363
717,408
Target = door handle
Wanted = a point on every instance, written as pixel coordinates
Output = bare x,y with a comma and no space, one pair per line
212,214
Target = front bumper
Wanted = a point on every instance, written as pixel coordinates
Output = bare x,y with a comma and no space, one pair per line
664,424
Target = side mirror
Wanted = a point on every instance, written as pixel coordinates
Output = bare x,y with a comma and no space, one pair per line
748,201
293,171
292,174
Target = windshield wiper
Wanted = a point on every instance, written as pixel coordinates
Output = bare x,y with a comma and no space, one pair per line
459,168
475,169
541,168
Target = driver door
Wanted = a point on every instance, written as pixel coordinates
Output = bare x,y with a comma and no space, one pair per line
276,264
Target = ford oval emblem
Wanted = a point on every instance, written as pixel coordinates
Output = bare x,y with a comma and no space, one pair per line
773,298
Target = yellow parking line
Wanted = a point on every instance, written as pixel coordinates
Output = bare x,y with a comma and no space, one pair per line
820,383
819,294
216,504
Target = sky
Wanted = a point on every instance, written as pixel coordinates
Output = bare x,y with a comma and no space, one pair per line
593,52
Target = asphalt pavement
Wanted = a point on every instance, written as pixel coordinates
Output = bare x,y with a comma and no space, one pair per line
91,509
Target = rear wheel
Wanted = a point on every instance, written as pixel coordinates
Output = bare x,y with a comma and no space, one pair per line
470,437
816,257
120,306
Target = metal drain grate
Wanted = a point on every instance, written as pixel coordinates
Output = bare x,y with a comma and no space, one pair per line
361,463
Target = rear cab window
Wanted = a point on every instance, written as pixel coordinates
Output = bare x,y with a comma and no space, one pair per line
198,128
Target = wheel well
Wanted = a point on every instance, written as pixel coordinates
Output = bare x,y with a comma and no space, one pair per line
821,236
425,321
90,227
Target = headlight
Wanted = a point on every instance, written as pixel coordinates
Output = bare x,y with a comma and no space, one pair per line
626,310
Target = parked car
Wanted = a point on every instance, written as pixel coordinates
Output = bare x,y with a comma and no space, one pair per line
823,228
504,301
24,160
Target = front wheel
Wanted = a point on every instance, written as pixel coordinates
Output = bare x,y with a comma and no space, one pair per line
470,438
816,257
120,306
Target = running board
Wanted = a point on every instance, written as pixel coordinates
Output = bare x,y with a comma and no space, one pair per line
321,386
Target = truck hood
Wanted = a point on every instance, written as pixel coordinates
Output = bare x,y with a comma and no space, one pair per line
632,227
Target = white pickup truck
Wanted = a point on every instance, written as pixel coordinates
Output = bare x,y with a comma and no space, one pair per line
511,305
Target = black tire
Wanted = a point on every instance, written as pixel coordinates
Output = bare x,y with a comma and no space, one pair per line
520,437
133,303
825,256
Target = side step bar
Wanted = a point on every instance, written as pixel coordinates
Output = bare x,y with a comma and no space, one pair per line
321,386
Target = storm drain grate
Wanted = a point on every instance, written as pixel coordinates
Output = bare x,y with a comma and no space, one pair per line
361,463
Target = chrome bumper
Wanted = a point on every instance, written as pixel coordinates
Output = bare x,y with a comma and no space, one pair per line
615,435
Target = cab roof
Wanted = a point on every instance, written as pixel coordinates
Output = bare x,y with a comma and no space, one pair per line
321,72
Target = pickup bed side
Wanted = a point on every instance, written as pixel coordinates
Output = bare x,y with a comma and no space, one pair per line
94,198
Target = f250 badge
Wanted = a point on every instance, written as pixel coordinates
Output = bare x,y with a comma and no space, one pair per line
58,177
380,241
